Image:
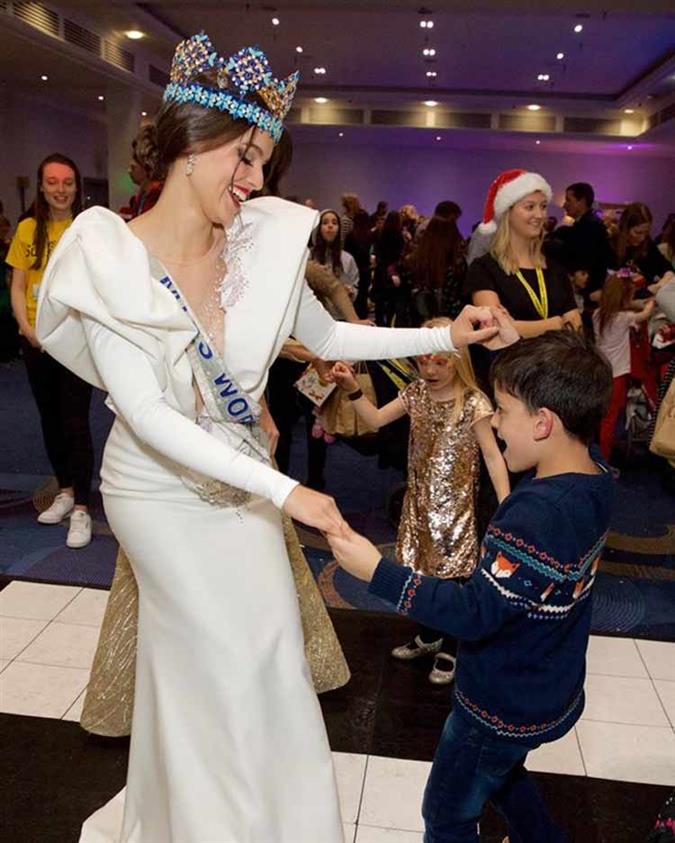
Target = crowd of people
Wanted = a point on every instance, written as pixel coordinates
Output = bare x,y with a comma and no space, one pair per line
527,328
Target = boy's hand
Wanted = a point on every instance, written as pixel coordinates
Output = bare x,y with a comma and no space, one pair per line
343,375
358,556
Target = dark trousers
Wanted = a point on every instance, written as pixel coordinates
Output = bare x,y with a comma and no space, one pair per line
286,406
471,768
63,402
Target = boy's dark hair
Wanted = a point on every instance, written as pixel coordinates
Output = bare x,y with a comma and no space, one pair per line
583,190
561,371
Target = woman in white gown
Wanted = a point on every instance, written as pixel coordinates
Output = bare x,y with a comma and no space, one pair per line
178,317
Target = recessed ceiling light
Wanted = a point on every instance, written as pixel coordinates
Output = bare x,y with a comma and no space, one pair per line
321,100
533,107
320,71
298,49
629,147
629,111
430,103
543,77
429,51
44,77
579,28
135,34
438,137
427,24
431,74
275,21
341,134
537,142
101,97
144,113
560,56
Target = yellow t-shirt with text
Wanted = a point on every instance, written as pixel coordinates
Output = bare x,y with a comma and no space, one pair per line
21,255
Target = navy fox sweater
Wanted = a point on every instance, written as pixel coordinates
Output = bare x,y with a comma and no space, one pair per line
523,619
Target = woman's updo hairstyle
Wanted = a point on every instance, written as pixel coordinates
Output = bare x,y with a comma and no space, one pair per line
185,128
145,150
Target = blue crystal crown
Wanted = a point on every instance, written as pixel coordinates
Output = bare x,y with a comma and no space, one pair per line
245,73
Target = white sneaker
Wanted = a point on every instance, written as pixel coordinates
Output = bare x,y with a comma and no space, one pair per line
79,532
61,506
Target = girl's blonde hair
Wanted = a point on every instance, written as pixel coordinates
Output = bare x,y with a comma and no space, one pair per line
617,293
463,369
501,249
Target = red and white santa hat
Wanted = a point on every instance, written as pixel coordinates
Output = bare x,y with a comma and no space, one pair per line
508,188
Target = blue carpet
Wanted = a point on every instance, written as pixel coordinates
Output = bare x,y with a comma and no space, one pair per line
634,594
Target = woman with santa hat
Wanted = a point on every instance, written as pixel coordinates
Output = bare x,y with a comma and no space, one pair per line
515,273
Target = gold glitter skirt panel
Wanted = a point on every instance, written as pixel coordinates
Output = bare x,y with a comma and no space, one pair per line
109,699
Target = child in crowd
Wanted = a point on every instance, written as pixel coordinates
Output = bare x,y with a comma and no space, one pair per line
523,618
579,281
327,250
612,323
449,423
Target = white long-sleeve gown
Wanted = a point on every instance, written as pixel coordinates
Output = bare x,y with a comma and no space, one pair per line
228,742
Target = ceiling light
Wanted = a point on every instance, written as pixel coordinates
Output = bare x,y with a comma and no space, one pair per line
135,34
430,103
429,51
341,134
298,49
537,142
144,113
44,77
427,24
629,147
438,137
320,71
101,97
431,74
543,77
579,28
275,21
629,111
320,100
533,107
560,56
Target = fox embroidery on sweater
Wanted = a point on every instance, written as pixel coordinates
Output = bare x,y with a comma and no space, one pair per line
502,568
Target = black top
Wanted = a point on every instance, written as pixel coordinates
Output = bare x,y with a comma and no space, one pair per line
584,245
652,264
486,274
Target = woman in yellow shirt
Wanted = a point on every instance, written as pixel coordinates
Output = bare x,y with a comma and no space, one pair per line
62,398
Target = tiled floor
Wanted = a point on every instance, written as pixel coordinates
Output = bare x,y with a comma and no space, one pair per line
48,635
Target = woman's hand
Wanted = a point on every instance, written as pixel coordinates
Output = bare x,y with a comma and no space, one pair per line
32,337
474,325
315,510
572,319
324,370
343,375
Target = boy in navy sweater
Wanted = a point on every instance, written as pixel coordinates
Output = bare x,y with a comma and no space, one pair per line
523,619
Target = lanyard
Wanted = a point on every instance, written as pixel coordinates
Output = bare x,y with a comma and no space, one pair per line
540,302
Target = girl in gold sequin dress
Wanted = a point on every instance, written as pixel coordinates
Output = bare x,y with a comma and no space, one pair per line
449,423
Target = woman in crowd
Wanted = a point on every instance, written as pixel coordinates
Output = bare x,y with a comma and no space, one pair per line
327,251
178,317
515,273
62,398
633,247
142,170
388,294
350,205
436,270
358,243
410,219
667,244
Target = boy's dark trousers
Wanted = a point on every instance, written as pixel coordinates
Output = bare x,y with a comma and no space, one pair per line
472,768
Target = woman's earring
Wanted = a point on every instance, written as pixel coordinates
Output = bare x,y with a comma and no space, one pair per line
189,167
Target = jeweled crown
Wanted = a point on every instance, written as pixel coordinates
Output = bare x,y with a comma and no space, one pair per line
245,73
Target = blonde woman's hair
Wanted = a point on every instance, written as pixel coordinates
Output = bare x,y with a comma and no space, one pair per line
465,378
501,249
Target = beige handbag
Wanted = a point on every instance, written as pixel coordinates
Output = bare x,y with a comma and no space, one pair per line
338,416
663,440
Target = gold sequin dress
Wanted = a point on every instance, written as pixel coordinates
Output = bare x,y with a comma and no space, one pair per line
437,533
109,701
